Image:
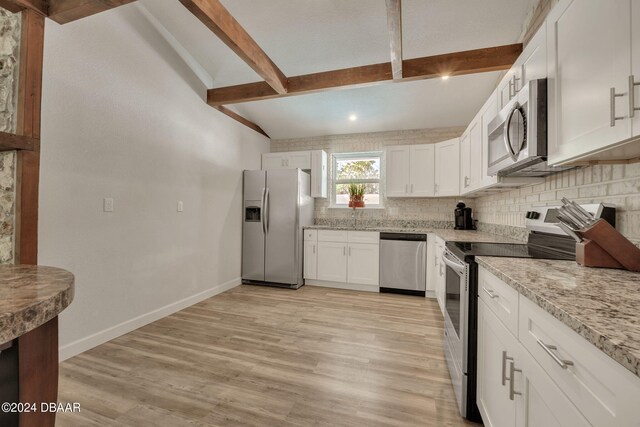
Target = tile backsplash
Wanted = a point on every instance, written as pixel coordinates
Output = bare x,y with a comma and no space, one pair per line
615,184
500,213
421,211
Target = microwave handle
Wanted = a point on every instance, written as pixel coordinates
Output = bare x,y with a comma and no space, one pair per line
507,138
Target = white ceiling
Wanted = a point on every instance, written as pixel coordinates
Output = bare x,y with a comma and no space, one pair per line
307,36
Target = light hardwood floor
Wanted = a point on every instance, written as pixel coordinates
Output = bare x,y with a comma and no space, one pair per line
257,356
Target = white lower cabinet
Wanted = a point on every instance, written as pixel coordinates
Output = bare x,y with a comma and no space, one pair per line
342,259
497,351
439,273
332,261
310,268
512,389
534,371
363,264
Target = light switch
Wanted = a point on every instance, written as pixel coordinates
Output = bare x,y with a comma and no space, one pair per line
107,204
180,206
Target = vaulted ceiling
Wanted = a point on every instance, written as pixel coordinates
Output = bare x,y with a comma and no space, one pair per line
310,36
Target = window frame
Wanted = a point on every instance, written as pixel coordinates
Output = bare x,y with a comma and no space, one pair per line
355,156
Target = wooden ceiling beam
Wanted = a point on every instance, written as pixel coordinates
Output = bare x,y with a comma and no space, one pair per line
237,117
450,64
218,19
10,141
15,6
394,25
64,11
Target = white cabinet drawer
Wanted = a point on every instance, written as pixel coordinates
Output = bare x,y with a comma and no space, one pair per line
605,392
501,298
363,237
332,236
310,235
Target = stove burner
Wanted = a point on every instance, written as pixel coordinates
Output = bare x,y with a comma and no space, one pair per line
508,250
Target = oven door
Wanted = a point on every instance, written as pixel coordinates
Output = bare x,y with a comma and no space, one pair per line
456,324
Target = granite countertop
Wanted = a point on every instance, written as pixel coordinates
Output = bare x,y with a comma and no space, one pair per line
447,234
31,296
602,305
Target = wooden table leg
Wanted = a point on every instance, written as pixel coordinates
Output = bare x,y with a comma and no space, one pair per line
38,372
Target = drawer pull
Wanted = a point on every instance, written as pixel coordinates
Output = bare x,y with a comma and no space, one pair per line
504,367
490,292
564,364
512,391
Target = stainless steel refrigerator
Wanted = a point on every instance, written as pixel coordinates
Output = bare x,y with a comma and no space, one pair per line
277,205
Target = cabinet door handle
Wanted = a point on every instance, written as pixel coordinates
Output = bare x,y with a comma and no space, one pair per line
436,188
344,251
632,96
411,188
349,250
512,377
612,106
490,292
504,367
314,249
466,181
548,348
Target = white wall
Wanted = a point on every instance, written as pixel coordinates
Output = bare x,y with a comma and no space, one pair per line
124,117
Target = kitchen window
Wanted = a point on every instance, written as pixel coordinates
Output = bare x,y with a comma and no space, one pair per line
356,168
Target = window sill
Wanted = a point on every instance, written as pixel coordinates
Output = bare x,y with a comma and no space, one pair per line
359,209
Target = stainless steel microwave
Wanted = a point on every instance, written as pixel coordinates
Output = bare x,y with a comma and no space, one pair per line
518,135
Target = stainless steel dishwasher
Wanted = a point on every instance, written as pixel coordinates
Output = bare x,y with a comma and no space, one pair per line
403,263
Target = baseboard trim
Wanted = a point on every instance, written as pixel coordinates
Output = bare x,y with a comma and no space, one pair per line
340,285
84,344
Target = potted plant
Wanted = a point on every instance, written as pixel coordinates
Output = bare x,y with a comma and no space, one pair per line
356,195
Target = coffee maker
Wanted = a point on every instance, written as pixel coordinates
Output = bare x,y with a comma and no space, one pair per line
463,217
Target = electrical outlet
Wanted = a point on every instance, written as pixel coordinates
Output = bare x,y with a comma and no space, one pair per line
180,206
107,204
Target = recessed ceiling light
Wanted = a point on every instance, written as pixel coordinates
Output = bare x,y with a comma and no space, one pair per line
353,117
445,77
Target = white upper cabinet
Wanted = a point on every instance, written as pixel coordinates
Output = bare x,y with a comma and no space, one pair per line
465,161
319,173
410,170
397,171
314,161
475,136
274,161
635,67
487,113
589,64
507,87
422,182
287,160
447,168
299,160
533,60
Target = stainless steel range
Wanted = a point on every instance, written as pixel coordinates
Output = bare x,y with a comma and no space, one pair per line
546,241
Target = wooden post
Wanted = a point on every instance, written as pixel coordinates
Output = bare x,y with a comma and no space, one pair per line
37,349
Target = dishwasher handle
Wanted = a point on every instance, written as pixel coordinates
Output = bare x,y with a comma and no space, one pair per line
407,237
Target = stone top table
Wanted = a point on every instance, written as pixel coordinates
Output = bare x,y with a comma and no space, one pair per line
30,296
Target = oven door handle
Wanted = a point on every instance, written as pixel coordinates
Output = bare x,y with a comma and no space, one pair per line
457,267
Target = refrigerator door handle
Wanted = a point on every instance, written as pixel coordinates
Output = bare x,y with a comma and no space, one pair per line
262,211
267,206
